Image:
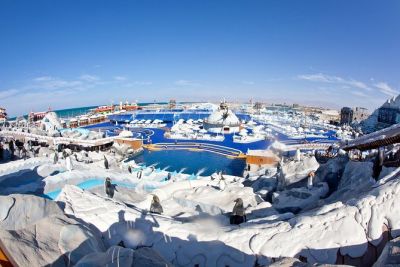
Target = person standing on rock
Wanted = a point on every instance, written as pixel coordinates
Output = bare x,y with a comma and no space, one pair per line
109,188
310,180
1,151
156,205
238,213
68,163
105,163
12,148
222,182
24,153
378,164
55,159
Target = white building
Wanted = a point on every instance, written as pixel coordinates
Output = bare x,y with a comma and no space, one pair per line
223,120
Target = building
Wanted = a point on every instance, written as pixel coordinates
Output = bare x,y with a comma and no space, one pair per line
3,115
172,104
353,115
36,116
346,115
223,120
360,114
389,113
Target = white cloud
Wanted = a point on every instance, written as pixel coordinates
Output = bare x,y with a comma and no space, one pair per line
359,93
386,89
89,78
248,82
320,77
143,83
8,93
43,78
186,83
53,83
120,78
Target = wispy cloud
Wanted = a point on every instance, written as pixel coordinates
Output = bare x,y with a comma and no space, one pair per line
248,82
386,89
42,78
143,83
8,93
89,78
359,93
186,83
324,78
120,78
49,82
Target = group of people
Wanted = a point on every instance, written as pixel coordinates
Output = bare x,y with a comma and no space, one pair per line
110,189
11,149
237,216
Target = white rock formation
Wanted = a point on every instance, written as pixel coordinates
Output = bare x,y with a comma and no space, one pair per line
118,256
19,211
294,171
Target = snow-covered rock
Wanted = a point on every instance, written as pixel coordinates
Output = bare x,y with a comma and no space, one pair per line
56,240
294,171
19,211
331,172
297,199
119,256
356,178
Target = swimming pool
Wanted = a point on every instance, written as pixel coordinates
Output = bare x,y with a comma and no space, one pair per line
91,183
190,162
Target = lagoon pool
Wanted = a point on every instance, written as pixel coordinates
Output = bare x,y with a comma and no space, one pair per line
91,183
190,162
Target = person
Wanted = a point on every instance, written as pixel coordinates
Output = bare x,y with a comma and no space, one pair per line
238,215
24,153
55,159
1,151
222,182
169,176
109,188
311,176
129,169
297,155
378,163
12,148
35,151
68,163
105,162
156,205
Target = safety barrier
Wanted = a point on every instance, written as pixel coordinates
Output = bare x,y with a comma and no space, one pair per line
58,140
198,147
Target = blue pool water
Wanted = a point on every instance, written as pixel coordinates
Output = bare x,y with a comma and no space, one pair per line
189,162
91,184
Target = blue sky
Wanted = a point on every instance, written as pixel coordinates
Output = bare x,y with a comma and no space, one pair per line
74,53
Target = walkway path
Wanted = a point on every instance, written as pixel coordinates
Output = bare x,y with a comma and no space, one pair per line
57,140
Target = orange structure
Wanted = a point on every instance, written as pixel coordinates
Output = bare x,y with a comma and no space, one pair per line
261,157
4,260
104,109
130,107
135,144
256,159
